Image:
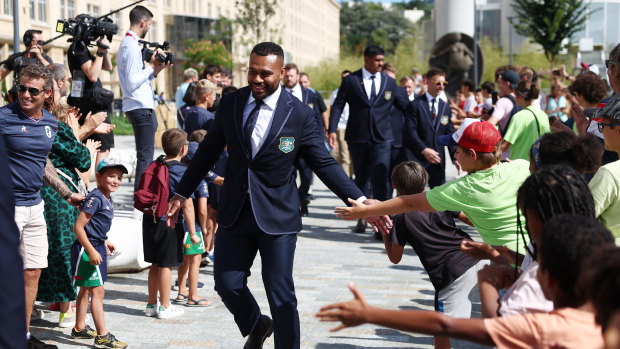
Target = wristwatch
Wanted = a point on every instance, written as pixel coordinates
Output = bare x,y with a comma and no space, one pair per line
100,53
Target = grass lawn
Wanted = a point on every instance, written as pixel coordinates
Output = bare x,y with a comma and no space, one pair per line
123,126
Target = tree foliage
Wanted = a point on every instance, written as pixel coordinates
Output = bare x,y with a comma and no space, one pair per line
204,52
364,23
253,16
549,22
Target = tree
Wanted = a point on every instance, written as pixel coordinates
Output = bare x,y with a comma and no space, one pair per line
254,16
206,52
549,22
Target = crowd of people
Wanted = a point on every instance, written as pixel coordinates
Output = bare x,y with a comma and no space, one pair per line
537,179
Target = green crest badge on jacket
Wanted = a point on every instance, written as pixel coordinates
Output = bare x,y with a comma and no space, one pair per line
388,95
287,144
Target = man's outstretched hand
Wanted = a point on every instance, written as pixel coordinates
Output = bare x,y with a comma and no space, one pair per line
172,213
381,224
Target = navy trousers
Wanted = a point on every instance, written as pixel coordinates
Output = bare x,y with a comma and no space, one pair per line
144,123
371,162
305,178
236,248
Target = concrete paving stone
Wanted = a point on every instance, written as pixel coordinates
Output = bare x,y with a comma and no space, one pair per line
328,256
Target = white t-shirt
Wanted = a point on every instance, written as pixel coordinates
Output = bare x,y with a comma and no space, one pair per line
525,295
470,104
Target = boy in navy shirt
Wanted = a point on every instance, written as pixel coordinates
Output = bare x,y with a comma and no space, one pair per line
436,240
163,245
89,252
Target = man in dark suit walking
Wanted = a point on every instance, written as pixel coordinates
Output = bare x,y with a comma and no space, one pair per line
265,128
431,118
371,95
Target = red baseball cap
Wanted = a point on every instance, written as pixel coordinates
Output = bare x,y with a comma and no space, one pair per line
475,134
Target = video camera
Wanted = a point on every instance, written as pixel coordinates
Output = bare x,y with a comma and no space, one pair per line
164,57
85,28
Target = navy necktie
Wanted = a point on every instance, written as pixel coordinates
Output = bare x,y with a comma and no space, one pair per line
373,90
250,123
433,108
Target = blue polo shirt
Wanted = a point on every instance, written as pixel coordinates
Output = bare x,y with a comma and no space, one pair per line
28,141
102,211
198,118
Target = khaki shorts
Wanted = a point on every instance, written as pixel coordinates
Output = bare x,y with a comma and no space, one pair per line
32,235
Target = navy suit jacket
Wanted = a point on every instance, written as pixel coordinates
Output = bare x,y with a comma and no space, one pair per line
268,177
368,121
310,99
421,130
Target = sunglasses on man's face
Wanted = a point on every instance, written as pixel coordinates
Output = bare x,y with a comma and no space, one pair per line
32,90
601,126
439,83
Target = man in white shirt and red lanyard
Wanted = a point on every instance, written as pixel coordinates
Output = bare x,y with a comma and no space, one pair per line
135,79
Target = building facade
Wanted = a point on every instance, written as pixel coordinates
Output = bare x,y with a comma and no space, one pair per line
309,31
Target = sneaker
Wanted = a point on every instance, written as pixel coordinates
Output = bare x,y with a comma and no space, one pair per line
150,310
109,341
34,343
37,314
205,260
171,312
176,286
86,333
211,257
66,320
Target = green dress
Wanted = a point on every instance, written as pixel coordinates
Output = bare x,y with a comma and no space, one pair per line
67,154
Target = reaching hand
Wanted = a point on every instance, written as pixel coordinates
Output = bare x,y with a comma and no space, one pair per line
72,121
381,224
104,128
478,250
76,200
93,120
431,155
172,213
351,313
92,146
580,120
349,213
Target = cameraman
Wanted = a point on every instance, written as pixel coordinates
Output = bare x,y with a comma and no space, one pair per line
135,79
91,97
34,55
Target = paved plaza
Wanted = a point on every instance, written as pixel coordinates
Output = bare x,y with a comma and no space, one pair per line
329,255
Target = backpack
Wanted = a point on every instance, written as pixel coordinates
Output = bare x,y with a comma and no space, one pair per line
515,109
151,197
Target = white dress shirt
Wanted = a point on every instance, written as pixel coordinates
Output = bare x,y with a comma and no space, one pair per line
296,91
430,98
344,117
134,75
368,81
264,120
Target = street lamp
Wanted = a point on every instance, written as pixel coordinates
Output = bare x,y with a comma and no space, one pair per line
510,18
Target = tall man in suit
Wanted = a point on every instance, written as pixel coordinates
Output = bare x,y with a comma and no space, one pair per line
265,128
309,98
431,118
371,95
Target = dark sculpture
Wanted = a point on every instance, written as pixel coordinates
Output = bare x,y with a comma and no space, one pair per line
453,53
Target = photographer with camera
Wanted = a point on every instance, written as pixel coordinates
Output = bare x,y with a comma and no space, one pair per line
34,55
135,77
87,92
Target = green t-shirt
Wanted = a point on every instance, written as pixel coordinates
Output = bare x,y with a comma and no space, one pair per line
489,199
523,131
605,187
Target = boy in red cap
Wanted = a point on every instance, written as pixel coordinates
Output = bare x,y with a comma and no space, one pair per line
487,196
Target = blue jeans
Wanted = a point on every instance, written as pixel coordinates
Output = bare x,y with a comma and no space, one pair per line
144,124
371,162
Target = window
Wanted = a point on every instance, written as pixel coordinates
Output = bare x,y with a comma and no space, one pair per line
117,19
62,9
209,10
92,10
42,7
596,22
153,31
613,29
8,7
32,6
70,9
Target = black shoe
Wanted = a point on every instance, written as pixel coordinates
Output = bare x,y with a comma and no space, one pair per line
360,227
263,329
378,236
303,209
34,343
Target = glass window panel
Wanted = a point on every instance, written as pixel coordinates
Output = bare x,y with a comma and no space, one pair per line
612,26
596,22
42,11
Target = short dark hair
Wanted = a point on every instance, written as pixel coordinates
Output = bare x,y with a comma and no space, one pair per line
600,284
173,140
406,78
139,13
37,71
583,153
304,74
504,68
565,244
289,66
591,86
409,177
229,88
434,72
210,69
346,71
470,84
488,86
268,49
198,135
29,34
189,98
373,50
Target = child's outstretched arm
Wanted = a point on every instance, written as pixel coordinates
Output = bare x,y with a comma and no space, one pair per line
357,311
400,204
80,233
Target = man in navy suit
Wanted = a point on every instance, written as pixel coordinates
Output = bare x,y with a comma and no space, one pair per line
431,118
371,95
307,97
265,128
